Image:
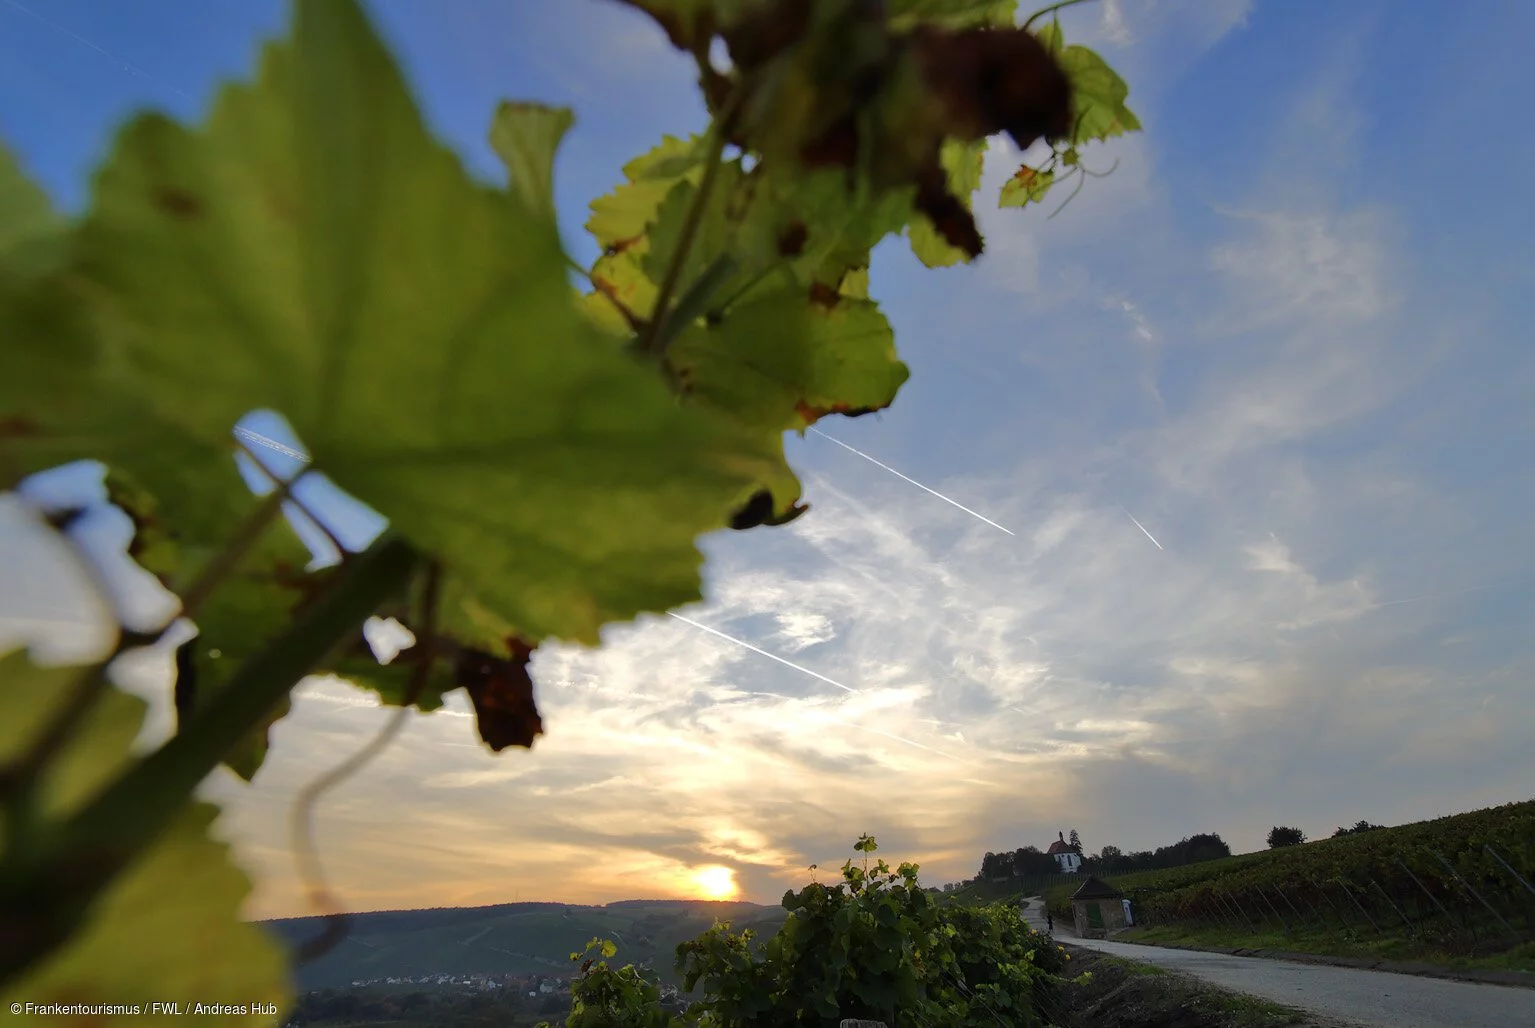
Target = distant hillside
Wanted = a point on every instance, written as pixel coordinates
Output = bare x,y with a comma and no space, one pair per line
511,938
1420,871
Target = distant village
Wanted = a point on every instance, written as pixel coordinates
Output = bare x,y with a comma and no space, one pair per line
532,984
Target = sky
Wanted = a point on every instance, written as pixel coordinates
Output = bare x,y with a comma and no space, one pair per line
1239,432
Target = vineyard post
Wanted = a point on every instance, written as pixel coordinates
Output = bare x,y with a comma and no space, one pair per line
1457,877
1350,894
1213,901
1247,919
1517,876
1435,899
1227,905
1322,889
1214,914
1282,922
1316,912
1411,929
1299,918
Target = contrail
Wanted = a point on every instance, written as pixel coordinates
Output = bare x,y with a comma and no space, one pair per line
761,652
789,663
913,481
897,738
140,72
1143,529
272,444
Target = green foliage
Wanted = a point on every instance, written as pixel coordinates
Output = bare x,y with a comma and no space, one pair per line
546,462
168,927
873,946
1281,835
605,997
877,946
1099,111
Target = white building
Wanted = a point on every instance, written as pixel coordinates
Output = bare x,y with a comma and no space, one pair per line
1069,859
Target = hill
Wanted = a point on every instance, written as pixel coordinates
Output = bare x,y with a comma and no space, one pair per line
510,938
1455,890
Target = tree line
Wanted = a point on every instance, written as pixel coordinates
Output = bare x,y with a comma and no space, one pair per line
1032,862
1286,835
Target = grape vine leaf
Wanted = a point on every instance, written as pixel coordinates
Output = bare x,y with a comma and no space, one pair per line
1028,185
627,211
170,926
963,162
312,250
526,136
781,364
29,226
1098,96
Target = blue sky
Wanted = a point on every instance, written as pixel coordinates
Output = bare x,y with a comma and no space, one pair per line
1288,336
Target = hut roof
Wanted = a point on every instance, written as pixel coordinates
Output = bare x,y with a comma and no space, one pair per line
1094,889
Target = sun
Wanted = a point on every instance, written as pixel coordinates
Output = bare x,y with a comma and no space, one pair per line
715,882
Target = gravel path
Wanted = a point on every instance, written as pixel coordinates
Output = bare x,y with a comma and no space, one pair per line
1378,999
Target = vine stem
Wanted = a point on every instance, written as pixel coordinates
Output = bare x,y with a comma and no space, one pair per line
20,778
54,889
306,854
653,344
1042,12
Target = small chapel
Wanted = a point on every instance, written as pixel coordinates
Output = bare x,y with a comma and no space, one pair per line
1069,859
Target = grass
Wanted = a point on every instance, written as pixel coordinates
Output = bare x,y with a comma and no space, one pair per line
1334,944
1129,994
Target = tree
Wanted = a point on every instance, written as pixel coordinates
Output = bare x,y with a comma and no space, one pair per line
1359,827
1074,841
1282,836
1029,861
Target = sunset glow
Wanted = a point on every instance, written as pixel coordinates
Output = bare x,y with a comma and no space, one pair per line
715,882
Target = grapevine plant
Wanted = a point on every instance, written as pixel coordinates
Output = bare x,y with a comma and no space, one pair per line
874,946
546,455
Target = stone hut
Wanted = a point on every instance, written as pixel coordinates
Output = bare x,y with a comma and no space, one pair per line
1098,909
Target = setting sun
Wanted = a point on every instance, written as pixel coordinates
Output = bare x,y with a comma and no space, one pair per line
715,882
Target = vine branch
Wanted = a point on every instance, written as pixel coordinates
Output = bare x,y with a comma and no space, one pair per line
306,853
51,892
653,343
1052,9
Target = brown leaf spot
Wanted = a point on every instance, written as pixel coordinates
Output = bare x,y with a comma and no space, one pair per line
791,241
16,426
179,203
814,414
502,693
757,510
823,295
